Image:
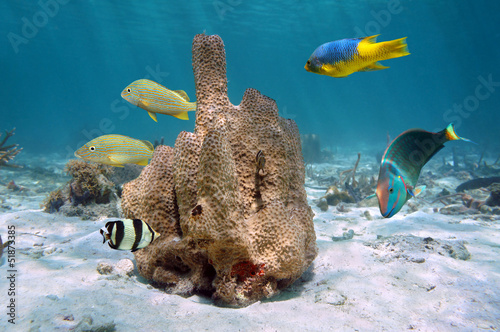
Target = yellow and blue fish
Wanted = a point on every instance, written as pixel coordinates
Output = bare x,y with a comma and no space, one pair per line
155,98
341,58
116,150
401,165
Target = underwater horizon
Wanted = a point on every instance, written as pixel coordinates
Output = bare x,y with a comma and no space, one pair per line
65,65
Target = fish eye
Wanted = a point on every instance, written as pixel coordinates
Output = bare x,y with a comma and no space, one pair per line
308,62
128,90
391,190
92,148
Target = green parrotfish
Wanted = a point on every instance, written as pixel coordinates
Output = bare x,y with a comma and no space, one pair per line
116,150
401,165
155,98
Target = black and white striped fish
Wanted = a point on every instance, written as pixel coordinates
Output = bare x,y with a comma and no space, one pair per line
128,234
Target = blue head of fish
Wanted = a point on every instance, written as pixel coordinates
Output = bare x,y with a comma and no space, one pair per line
391,191
316,61
313,65
330,54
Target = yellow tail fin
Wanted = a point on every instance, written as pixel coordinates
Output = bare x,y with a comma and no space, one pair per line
451,135
395,48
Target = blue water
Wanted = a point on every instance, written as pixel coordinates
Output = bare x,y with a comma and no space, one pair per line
63,66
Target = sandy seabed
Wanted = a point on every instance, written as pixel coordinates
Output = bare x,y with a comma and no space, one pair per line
421,271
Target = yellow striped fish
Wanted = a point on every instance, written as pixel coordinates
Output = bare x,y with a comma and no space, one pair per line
116,150
155,98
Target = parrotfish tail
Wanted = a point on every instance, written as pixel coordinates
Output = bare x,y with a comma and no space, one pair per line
451,135
395,48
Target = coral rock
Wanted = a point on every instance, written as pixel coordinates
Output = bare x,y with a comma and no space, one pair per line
226,229
7,153
88,194
494,198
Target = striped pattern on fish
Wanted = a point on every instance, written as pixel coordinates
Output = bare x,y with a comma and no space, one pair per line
155,98
128,234
116,150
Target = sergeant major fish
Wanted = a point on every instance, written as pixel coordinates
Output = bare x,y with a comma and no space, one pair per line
155,98
341,58
116,150
401,165
128,234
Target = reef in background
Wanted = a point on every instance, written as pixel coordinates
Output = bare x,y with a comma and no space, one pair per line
7,153
88,194
229,199
312,152
93,190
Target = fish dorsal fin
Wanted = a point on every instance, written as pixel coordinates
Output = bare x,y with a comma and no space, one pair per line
183,94
416,191
371,39
181,115
153,116
148,144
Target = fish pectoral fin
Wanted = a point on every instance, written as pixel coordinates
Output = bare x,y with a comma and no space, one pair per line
330,70
416,191
153,116
115,162
374,66
370,196
181,115
143,104
183,94
143,162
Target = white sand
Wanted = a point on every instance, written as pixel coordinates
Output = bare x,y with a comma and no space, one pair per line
351,286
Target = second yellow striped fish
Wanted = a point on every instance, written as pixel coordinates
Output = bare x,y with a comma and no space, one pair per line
155,98
116,150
